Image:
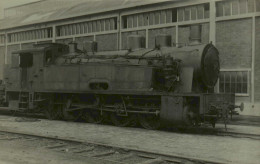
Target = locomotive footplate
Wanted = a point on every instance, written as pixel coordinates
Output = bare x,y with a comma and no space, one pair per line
198,108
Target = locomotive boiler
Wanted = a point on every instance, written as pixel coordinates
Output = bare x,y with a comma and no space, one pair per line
164,85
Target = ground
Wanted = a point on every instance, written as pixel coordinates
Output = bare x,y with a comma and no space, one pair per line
17,152
224,149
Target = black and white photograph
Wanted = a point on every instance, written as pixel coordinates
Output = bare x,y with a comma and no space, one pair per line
129,81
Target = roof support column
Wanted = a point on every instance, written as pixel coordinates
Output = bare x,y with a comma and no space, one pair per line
6,40
253,63
212,30
53,34
146,37
119,34
212,22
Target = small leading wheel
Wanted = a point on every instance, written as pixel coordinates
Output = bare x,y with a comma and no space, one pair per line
52,111
149,121
121,121
92,116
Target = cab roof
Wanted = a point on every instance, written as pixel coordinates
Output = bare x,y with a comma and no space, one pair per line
39,47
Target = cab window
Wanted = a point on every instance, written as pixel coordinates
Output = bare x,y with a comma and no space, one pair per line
48,57
26,60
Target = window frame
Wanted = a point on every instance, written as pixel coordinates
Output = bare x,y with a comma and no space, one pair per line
248,71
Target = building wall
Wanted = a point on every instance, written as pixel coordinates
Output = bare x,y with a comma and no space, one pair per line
257,60
234,42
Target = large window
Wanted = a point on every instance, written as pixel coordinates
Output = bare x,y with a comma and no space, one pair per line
235,7
108,24
30,35
180,14
234,82
2,39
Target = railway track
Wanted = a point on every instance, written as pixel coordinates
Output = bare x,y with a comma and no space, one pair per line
103,152
203,130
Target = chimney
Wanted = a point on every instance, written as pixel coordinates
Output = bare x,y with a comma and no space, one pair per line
195,34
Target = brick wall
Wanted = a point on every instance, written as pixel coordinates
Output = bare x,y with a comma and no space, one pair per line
234,42
107,42
257,60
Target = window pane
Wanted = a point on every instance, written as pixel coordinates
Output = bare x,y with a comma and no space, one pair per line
169,16
112,24
193,13
242,6
146,19
239,88
135,21
227,8
227,87
221,77
244,77
98,26
107,25
235,7
257,5
227,77
233,87
180,14
140,20
102,25
239,77
187,13
94,26
250,4
157,17
151,18
124,22
219,9
90,27
244,88
85,27
163,17
200,12
206,10
130,21
233,77
221,87
174,15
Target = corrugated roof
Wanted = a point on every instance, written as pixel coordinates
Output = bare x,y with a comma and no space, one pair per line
80,9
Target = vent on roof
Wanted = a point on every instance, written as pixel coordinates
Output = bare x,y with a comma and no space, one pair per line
135,42
163,41
195,34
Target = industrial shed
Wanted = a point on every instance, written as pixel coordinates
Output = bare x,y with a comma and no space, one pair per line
232,25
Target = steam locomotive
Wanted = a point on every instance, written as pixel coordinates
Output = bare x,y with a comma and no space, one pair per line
164,85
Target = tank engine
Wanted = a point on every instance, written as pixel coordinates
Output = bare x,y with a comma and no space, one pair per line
169,85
